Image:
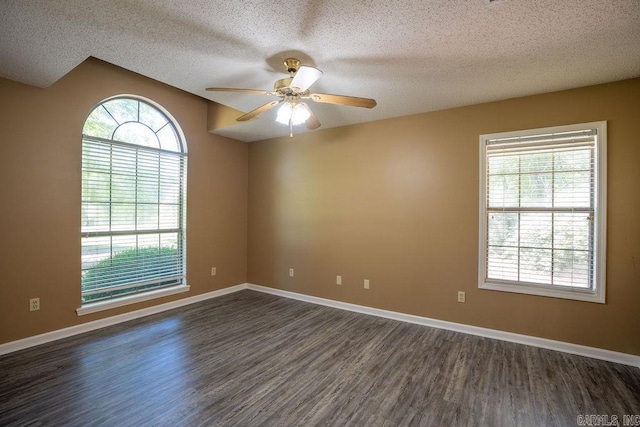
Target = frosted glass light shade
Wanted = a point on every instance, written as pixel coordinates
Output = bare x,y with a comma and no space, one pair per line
297,114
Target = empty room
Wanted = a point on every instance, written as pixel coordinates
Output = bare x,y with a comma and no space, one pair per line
270,213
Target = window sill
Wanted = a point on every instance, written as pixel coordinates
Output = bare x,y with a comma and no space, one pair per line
578,295
95,307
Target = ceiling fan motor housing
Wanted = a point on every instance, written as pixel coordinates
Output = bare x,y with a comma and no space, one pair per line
282,84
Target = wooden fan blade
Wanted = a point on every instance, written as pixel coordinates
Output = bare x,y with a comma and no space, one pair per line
253,113
305,77
352,101
231,89
312,122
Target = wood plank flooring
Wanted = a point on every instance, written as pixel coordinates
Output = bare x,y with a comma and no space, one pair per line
250,359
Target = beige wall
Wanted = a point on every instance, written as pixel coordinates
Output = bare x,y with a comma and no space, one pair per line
40,180
393,201
396,202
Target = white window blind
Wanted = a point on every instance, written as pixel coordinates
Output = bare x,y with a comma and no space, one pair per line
133,199
541,215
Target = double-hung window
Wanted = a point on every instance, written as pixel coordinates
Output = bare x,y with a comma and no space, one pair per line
133,237
543,211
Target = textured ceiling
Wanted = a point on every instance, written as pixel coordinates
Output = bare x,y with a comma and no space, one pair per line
412,56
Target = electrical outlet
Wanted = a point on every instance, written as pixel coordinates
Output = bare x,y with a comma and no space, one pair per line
214,271
338,280
366,283
291,272
34,304
461,296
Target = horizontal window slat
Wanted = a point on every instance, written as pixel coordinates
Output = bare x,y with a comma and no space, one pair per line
173,280
131,232
142,281
561,209
96,142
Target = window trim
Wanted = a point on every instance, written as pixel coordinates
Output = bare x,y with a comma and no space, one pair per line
107,304
182,286
596,295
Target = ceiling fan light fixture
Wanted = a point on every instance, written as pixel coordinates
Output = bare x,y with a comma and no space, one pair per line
295,114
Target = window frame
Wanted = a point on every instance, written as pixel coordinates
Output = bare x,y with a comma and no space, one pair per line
156,292
598,293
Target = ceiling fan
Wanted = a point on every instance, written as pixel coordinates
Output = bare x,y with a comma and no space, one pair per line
292,90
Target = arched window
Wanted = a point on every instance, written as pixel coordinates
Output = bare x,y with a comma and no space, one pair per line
134,162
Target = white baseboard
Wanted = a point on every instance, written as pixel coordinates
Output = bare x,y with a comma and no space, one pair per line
581,350
97,324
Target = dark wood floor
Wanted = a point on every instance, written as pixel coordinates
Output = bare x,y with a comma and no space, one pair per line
255,359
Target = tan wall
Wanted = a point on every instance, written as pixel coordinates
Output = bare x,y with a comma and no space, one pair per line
393,201
396,202
40,180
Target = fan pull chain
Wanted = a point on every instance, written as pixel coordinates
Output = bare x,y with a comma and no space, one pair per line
291,125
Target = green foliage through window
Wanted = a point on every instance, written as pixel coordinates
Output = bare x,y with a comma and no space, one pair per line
129,267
